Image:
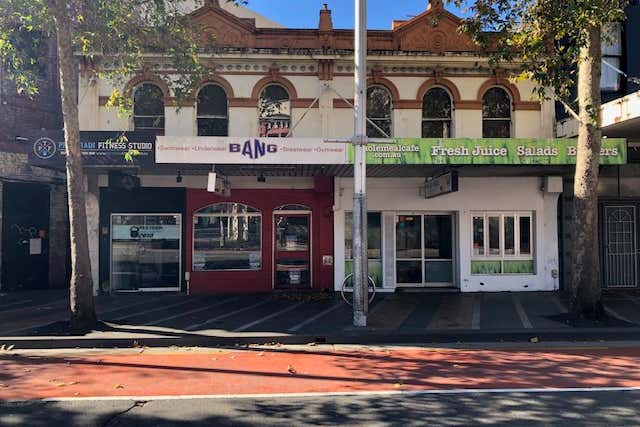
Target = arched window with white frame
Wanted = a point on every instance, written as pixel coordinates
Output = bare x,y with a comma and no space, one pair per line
380,112
274,112
436,113
212,111
148,108
496,113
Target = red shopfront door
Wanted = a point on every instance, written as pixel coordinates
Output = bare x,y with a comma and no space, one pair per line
292,250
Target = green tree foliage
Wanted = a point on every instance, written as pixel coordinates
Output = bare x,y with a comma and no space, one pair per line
114,39
558,43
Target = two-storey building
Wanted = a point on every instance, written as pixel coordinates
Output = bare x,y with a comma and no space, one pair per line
465,197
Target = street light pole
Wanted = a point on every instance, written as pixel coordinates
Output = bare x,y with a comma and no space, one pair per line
360,273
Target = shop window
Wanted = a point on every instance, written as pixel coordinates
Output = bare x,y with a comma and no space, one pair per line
212,111
274,112
379,111
436,114
612,54
374,245
496,114
502,243
227,236
148,108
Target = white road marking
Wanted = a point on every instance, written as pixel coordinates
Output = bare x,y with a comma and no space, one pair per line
612,312
477,304
521,313
271,316
152,310
2,307
186,313
224,316
316,317
390,393
39,325
559,304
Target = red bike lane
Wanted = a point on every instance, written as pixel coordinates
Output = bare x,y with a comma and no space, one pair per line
184,372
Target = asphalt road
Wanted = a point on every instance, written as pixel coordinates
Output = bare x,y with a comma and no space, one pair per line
602,408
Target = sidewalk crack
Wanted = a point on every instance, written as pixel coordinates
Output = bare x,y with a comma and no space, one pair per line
113,418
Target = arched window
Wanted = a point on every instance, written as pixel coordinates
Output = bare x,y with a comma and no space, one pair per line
227,236
148,108
212,111
379,111
274,111
496,113
436,113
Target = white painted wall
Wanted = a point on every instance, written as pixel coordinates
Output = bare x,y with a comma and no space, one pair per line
476,194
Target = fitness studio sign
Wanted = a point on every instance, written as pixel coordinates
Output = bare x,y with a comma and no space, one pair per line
488,152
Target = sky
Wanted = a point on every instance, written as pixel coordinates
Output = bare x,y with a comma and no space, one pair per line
305,13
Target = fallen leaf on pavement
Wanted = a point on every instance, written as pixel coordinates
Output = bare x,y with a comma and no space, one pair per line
312,344
4,385
291,369
118,386
534,339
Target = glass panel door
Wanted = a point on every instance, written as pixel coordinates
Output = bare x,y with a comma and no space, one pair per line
424,250
438,250
292,251
145,252
409,250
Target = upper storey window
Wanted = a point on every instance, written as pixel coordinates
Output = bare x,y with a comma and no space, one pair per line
436,114
274,112
148,108
496,114
212,111
379,111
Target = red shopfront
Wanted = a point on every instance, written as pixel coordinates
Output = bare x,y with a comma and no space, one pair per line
259,240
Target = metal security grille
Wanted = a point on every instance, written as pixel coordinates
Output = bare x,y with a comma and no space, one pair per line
621,254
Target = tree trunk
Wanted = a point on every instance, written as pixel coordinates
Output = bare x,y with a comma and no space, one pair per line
586,281
83,315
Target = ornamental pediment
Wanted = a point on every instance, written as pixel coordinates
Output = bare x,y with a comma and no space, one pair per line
433,31
221,28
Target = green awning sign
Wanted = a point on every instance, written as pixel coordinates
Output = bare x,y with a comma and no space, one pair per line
469,151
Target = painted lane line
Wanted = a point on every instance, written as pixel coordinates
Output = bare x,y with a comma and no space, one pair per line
559,304
521,313
2,307
382,393
477,306
224,316
271,316
152,310
197,310
316,317
613,313
126,307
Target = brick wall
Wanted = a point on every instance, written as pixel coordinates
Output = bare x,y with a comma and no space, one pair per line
22,116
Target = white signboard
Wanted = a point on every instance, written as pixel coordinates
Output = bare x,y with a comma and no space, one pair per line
236,150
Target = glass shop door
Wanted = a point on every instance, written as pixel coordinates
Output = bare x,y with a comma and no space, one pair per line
146,252
292,251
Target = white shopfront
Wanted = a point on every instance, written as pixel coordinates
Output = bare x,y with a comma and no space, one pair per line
494,234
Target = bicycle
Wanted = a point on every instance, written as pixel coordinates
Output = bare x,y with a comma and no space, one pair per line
371,289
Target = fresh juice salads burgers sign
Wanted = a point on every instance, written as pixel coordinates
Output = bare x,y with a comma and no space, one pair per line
488,152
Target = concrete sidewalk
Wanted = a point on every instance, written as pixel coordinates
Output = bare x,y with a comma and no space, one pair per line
28,320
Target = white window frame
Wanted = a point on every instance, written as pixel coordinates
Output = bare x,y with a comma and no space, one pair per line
224,215
433,120
517,256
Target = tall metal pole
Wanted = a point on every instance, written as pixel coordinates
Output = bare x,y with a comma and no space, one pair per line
360,273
